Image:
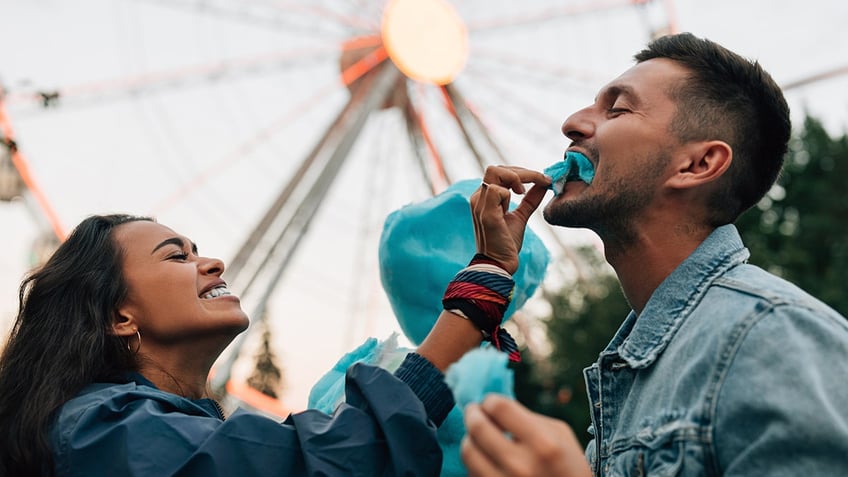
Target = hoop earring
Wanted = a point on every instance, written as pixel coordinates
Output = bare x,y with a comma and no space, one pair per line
138,334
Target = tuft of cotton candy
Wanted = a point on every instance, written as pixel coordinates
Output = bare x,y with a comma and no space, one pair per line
574,167
479,372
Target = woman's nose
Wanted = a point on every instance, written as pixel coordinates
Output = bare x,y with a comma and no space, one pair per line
212,266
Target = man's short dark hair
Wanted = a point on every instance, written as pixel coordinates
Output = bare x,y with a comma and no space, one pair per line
730,98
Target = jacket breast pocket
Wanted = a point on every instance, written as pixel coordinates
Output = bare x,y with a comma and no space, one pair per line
673,451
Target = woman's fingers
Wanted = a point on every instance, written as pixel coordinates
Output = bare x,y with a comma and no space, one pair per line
499,233
514,178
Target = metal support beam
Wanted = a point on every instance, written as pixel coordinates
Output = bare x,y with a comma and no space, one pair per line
471,128
275,239
420,149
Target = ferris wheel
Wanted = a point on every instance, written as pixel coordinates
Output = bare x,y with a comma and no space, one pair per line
283,132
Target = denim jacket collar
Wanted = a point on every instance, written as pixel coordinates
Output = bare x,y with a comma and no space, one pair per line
641,339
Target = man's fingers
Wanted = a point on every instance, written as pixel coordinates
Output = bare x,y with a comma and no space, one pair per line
476,461
485,435
511,415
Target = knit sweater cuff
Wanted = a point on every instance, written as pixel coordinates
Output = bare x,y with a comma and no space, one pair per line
428,383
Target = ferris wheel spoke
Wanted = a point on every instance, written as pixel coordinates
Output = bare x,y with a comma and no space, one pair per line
368,7
548,14
7,134
115,88
824,75
244,150
363,66
330,142
245,14
534,69
433,171
528,111
348,76
285,240
364,228
469,118
508,94
319,12
461,115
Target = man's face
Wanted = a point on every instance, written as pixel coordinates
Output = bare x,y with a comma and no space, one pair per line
626,135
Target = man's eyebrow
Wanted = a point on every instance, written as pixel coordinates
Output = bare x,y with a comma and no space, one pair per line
174,241
616,90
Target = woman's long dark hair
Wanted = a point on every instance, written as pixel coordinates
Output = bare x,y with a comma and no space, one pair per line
61,341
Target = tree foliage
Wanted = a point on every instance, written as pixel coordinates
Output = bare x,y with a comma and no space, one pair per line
798,231
267,377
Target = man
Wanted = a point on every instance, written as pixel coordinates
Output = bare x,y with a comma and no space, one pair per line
721,368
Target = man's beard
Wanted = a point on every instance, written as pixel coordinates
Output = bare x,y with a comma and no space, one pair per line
612,215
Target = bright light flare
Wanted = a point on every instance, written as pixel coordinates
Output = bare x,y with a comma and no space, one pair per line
426,39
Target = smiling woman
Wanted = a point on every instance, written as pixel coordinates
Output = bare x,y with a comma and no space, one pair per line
105,373
178,302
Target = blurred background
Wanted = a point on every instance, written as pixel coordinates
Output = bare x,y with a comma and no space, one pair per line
278,135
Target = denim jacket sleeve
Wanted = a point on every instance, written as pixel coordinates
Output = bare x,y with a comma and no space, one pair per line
383,429
781,410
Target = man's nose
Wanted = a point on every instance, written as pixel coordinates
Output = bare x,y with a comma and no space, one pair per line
579,125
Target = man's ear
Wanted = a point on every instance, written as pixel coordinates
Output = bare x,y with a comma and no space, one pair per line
701,162
125,323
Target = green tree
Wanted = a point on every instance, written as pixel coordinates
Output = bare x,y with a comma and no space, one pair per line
799,230
267,377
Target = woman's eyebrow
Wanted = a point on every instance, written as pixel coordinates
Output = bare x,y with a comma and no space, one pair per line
174,241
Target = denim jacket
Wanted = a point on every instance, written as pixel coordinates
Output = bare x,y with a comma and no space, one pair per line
728,370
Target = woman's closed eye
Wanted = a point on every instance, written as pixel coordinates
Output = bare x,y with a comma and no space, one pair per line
181,256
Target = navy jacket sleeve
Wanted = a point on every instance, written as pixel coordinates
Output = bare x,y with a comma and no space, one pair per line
383,429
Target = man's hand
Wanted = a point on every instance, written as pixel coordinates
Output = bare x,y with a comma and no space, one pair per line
506,439
499,233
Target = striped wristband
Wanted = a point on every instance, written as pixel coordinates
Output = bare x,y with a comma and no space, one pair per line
481,293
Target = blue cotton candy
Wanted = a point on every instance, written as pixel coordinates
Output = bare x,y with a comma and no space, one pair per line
328,392
480,372
422,247
574,167
424,244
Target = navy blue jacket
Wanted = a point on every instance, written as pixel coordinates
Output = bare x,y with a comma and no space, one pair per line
386,427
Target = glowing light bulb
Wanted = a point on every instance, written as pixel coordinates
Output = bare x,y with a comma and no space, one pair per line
426,39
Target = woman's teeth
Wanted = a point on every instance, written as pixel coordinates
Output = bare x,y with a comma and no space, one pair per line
216,292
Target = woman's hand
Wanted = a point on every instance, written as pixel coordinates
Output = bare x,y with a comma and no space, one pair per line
498,231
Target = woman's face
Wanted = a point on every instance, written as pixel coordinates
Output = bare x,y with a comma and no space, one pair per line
174,295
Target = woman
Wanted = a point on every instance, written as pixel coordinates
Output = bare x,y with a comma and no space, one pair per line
105,370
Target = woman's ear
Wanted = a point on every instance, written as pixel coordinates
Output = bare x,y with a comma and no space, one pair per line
701,162
124,324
